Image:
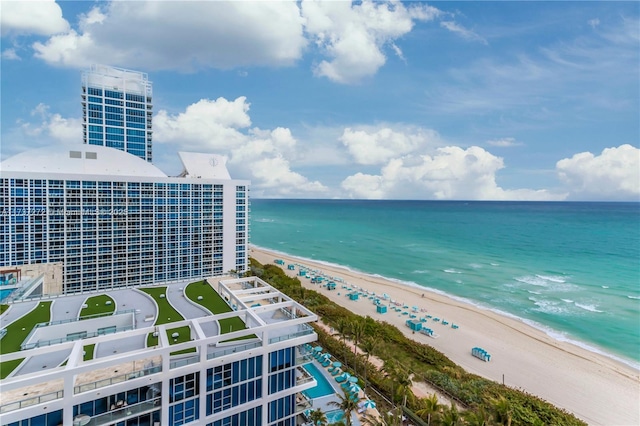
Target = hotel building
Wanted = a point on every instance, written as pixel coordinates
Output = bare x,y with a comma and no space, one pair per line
230,354
117,110
113,220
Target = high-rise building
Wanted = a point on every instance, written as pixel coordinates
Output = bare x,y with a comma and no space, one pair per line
231,354
117,110
113,220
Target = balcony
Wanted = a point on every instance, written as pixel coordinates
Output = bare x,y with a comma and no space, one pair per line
27,402
119,414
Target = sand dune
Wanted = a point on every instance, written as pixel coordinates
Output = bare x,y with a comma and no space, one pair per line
597,389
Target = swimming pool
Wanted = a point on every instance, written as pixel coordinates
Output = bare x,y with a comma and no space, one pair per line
323,388
334,416
5,292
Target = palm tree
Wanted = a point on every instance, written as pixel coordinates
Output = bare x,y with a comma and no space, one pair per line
502,411
478,417
429,407
347,404
357,332
342,327
369,346
318,417
390,369
385,419
451,416
404,381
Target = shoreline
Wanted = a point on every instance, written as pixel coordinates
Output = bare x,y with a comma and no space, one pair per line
596,388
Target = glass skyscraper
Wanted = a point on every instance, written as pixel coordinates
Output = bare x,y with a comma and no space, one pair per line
117,110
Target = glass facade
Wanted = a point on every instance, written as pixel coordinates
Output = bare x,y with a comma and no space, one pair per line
117,110
110,234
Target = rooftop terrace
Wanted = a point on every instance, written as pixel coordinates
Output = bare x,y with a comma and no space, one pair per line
96,340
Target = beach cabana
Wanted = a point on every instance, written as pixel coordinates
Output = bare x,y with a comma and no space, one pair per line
291,267
381,309
331,285
414,325
353,296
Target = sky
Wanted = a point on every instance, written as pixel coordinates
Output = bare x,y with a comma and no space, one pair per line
366,100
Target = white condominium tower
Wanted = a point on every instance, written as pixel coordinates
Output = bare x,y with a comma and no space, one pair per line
117,109
113,220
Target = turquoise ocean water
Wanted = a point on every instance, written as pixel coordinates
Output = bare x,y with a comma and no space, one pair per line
571,269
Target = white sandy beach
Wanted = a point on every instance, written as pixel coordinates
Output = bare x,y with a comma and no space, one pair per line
597,389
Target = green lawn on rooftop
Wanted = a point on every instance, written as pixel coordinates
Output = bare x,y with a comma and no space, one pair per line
3,308
212,301
18,331
97,305
167,314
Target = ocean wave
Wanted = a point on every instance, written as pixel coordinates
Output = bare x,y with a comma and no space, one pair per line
553,278
459,281
567,300
548,306
533,280
264,220
633,297
475,265
590,308
604,286
451,271
533,292
421,271
494,264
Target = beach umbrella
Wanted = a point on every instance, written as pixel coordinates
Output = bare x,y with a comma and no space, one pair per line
415,308
337,364
353,379
325,356
317,348
369,404
353,388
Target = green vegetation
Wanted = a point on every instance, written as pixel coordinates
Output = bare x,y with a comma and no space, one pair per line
167,314
17,331
406,361
3,308
213,302
97,306
88,351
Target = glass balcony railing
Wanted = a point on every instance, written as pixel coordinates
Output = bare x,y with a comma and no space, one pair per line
119,414
116,379
4,408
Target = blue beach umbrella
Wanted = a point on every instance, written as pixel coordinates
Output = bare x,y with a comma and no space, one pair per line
369,404
325,356
317,348
337,364
353,379
353,388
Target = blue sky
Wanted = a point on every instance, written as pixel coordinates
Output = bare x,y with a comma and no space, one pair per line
413,100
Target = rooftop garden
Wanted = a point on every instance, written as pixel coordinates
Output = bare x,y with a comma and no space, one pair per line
99,305
18,331
167,314
203,294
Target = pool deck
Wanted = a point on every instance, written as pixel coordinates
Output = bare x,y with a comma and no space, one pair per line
323,403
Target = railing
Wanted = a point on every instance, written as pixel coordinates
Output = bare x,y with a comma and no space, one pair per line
233,349
41,343
305,330
118,414
5,408
303,402
304,376
116,379
184,361
64,321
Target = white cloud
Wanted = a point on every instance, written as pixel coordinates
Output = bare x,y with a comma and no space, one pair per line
181,35
593,22
42,17
462,31
378,146
353,36
10,54
451,173
612,175
50,128
504,142
223,127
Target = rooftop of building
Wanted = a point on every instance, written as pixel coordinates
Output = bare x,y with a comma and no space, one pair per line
80,159
127,332
98,160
